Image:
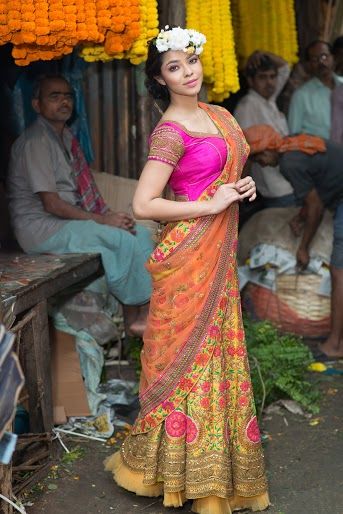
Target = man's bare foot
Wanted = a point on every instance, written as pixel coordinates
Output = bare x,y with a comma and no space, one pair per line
135,319
332,349
137,328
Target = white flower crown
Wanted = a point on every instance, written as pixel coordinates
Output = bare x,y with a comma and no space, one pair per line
187,40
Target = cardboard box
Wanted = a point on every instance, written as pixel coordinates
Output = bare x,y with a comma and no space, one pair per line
69,395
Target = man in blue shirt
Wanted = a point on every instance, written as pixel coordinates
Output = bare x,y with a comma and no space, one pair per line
310,107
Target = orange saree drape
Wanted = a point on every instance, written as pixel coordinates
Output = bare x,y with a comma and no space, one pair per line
196,436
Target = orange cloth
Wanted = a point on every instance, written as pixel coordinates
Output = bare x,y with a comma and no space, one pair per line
264,137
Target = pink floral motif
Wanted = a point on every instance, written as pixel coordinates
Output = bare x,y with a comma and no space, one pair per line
185,384
201,359
223,386
217,351
231,350
206,387
168,406
205,403
176,424
158,255
234,293
243,401
192,430
231,334
252,431
245,386
214,331
240,351
222,402
240,335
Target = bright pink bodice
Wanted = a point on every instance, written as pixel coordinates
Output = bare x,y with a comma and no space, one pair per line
202,162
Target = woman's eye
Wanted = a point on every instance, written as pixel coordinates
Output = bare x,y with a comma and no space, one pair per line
173,68
193,60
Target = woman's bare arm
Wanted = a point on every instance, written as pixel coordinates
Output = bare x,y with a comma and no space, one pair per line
148,204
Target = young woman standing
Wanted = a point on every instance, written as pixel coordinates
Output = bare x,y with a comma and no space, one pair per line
196,436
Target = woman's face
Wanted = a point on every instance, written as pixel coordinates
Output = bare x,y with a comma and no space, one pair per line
181,72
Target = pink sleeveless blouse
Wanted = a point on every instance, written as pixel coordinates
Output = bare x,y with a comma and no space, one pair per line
197,158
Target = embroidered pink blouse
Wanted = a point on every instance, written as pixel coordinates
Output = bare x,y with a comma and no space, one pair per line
197,158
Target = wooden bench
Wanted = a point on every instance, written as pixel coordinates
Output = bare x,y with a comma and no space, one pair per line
26,284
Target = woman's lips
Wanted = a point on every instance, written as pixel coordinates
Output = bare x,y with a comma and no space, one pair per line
191,83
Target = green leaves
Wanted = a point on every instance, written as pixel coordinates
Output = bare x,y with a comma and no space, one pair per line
278,364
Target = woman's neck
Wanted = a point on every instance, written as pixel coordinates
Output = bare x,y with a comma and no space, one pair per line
183,106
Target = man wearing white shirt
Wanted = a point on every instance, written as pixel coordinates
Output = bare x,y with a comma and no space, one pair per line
267,74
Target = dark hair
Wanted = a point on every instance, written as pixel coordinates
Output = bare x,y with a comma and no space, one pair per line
337,44
266,64
39,83
314,43
153,69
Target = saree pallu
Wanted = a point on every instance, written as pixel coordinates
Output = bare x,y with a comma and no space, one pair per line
197,436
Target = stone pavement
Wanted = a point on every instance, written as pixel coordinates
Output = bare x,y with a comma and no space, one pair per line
304,462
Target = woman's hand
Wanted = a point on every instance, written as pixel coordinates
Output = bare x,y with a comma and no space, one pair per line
223,197
246,187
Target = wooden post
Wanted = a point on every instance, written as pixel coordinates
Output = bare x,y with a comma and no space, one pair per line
123,135
37,369
6,488
108,119
92,84
172,13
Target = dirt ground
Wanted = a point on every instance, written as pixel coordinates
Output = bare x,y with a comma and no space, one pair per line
304,462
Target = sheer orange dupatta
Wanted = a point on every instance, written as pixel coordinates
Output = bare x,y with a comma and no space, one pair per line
190,269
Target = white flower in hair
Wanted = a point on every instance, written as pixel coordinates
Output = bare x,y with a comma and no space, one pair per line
187,40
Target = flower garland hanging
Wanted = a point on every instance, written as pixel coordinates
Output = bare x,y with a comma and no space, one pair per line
48,29
213,19
274,32
146,28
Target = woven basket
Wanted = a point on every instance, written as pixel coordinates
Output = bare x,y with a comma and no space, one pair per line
294,307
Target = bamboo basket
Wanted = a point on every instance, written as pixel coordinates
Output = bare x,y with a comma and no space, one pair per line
294,307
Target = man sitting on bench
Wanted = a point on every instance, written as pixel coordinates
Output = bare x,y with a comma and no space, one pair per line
56,207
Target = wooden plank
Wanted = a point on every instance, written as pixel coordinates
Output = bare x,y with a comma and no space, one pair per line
144,128
6,488
86,267
37,369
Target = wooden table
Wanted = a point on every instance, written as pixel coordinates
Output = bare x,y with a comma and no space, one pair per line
26,283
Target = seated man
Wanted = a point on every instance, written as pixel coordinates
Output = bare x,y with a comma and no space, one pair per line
266,74
314,168
312,105
56,208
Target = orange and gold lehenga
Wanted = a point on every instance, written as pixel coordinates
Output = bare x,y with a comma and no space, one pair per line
196,436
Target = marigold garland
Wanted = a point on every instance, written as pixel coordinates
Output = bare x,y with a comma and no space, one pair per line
275,30
213,19
48,29
145,28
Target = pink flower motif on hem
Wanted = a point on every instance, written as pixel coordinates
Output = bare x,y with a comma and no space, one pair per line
168,406
192,431
158,255
253,431
176,424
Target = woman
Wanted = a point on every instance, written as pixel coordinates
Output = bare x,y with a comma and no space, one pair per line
196,436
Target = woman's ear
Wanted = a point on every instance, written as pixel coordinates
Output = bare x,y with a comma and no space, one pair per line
160,80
